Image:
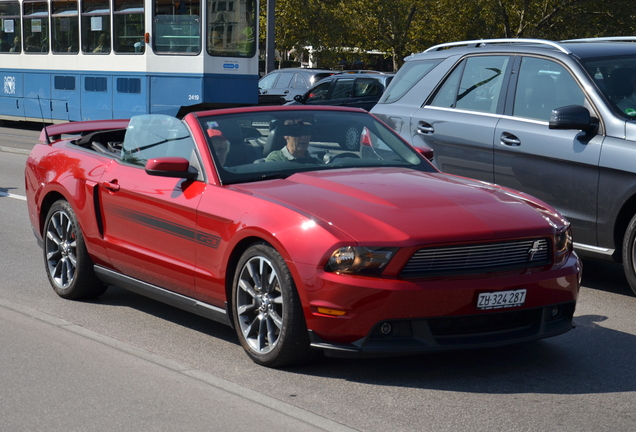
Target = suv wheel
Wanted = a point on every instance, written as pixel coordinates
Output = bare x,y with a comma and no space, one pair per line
629,254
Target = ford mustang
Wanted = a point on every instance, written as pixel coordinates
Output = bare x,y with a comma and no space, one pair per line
259,219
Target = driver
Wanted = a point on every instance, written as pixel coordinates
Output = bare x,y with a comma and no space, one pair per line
297,134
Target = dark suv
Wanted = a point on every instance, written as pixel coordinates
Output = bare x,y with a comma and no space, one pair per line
357,89
553,119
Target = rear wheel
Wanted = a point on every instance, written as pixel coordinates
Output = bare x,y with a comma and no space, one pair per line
68,265
268,316
629,254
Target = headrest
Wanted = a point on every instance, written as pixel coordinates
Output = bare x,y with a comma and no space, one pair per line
296,129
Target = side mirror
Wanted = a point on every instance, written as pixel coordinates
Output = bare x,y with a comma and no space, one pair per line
299,98
177,167
573,117
426,151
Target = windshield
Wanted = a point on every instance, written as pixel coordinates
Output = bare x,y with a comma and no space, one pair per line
261,145
616,78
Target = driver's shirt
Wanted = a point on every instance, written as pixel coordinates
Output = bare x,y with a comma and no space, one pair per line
283,155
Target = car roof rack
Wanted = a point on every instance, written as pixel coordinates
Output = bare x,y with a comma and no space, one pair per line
605,39
480,42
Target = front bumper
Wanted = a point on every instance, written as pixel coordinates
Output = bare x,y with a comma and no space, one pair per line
402,337
382,316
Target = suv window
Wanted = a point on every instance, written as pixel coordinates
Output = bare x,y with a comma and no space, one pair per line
343,88
542,86
284,80
268,81
366,87
319,92
480,85
613,76
407,77
300,82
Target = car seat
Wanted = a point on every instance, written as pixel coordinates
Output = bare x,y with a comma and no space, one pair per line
275,139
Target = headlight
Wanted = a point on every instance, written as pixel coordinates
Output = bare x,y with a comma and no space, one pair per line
562,245
357,259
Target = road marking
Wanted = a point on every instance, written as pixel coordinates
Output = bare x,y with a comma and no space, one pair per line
8,195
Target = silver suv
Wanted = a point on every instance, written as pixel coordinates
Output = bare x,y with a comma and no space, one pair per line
556,120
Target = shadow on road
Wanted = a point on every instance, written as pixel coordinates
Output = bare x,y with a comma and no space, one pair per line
590,359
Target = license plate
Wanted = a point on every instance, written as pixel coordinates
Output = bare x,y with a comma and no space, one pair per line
501,299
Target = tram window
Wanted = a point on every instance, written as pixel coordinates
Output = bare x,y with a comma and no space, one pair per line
65,26
177,27
10,27
231,28
128,26
96,26
35,22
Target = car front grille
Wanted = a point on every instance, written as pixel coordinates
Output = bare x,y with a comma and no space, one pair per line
478,258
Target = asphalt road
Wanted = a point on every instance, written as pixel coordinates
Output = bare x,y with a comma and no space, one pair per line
130,363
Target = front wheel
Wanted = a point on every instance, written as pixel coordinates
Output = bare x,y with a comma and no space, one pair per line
629,254
67,263
268,316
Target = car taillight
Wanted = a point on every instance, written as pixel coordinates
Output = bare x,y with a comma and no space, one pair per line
365,138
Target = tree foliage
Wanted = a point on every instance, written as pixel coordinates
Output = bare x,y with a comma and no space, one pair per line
401,27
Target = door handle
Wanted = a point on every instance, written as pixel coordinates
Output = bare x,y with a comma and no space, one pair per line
425,128
111,186
510,140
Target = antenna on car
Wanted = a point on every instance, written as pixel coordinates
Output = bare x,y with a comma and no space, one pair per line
46,134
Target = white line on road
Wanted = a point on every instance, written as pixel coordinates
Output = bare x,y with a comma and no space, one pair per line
8,195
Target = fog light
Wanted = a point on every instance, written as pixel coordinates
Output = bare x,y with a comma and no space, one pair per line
386,329
555,311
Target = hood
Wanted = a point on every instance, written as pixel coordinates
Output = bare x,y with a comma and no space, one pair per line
387,205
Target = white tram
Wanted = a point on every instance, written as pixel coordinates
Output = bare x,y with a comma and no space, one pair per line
72,60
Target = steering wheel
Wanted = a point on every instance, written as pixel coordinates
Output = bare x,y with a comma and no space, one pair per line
331,157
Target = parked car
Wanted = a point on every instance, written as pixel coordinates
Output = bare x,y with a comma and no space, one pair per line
372,252
543,117
281,85
358,89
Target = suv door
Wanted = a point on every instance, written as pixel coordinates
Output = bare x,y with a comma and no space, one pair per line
459,121
559,167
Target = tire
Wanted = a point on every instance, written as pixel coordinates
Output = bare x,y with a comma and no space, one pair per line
267,313
629,254
66,260
351,139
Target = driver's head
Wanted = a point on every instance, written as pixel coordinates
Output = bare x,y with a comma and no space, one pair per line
297,133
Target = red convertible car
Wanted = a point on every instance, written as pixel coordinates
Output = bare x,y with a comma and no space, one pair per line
257,218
